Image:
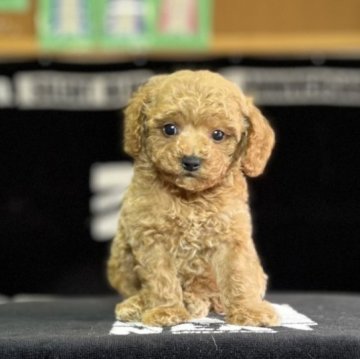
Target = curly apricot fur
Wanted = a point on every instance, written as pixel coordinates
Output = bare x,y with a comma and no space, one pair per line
184,242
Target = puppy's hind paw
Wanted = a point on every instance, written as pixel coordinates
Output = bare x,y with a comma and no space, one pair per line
260,314
129,310
165,316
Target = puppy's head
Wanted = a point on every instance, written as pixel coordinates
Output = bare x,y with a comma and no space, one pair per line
193,126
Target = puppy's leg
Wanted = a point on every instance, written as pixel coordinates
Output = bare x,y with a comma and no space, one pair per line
198,293
122,277
161,289
121,267
216,305
242,285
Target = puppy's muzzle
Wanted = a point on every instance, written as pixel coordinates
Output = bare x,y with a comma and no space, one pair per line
191,163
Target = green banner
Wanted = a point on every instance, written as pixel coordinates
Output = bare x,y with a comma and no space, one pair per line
139,25
68,25
14,5
156,24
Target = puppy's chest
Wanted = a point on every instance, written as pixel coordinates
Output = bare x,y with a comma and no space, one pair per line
198,230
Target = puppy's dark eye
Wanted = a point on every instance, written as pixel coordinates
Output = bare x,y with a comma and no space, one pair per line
170,129
218,135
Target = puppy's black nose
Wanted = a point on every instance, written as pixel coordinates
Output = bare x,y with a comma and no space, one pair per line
191,163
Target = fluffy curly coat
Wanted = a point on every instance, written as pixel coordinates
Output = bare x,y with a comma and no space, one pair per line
184,242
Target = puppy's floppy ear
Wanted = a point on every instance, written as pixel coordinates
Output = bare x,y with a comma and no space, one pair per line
135,116
259,142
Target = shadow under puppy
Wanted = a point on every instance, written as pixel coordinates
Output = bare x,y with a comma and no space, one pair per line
184,242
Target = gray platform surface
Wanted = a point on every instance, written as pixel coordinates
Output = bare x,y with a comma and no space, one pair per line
314,326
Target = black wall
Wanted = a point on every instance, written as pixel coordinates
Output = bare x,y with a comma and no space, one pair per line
306,207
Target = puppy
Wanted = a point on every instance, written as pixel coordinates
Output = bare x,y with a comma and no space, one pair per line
184,241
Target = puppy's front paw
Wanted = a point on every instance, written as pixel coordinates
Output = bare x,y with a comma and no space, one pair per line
165,316
260,314
196,306
130,309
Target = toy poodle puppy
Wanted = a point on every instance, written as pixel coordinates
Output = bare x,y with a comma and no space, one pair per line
184,241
